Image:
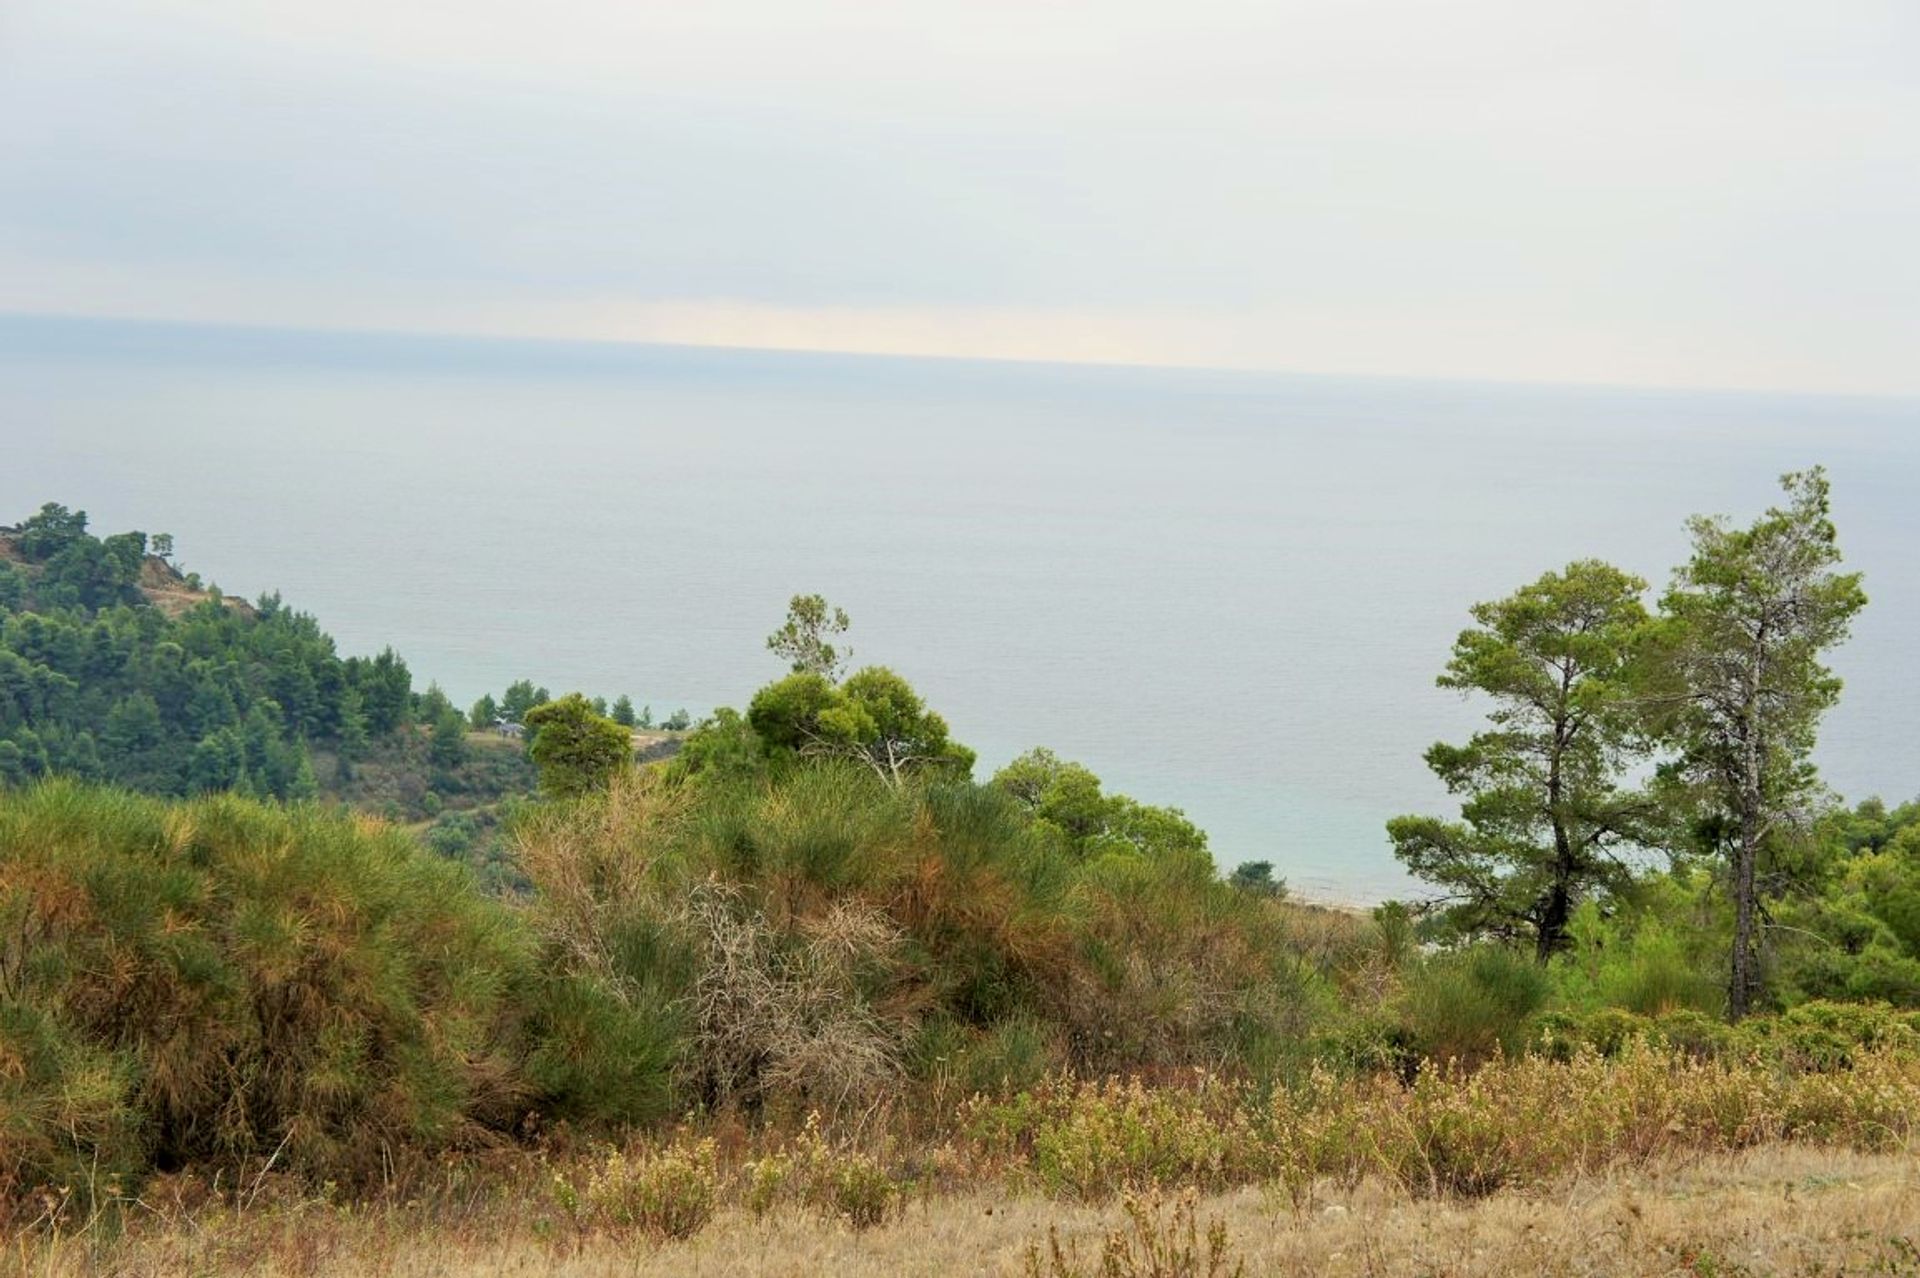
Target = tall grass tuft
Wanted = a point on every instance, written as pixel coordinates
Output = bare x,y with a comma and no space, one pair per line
1473,1006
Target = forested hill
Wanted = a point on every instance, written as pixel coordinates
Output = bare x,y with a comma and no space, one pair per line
116,666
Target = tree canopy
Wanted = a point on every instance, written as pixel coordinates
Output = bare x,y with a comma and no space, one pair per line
1545,819
576,750
1741,686
805,639
1068,805
875,717
98,682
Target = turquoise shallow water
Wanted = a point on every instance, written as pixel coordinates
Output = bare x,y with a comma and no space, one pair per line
1228,592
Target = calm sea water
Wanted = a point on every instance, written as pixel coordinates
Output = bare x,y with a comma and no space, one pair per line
1226,592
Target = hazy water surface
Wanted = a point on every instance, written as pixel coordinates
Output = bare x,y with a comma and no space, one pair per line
1222,591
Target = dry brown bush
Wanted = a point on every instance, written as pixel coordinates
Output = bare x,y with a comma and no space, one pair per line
777,1014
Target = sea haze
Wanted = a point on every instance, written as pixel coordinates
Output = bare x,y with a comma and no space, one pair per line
1225,592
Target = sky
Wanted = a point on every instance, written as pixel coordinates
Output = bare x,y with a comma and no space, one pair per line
1719,193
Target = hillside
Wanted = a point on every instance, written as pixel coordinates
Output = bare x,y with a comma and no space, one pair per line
116,665
158,581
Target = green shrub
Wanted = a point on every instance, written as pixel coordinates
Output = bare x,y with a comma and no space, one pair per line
1013,1055
1005,957
1694,1034
597,1058
1473,1005
1825,1036
1607,1031
66,1116
1523,1120
767,1181
1655,974
224,980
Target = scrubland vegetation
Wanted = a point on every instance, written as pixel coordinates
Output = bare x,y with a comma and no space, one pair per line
819,1007
810,996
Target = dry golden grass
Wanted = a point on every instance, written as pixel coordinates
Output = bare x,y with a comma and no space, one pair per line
1773,1210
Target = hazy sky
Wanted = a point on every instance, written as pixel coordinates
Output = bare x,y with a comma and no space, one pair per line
1689,192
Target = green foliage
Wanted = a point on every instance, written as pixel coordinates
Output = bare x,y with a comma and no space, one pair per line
1823,1035
1656,974
1257,877
599,1058
477,838
1069,807
875,718
814,906
1816,1037
1007,1057
385,690
520,697
804,641
1657,958
785,714
1092,1140
222,980
1544,818
446,726
1854,932
1529,1120
1472,1006
724,747
860,1191
14,584
972,947
575,749
74,569
393,777
98,683
849,1185
1740,685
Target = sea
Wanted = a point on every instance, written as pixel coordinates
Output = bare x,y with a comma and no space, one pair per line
1227,592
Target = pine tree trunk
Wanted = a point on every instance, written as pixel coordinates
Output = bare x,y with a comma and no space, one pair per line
1559,910
1745,975
1553,923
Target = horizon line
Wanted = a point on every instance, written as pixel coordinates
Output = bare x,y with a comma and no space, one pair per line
403,336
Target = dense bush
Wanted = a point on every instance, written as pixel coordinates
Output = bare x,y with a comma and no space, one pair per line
827,930
1471,1006
226,981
